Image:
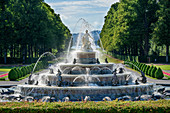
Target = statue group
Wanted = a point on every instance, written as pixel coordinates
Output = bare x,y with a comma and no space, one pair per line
86,44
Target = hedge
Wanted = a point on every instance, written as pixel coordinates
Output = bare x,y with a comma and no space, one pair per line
159,74
12,75
160,106
17,73
148,70
153,72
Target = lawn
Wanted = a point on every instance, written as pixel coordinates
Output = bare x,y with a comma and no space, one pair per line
163,67
5,68
110,59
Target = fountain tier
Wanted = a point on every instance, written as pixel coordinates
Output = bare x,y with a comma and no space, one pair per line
86,57
77,93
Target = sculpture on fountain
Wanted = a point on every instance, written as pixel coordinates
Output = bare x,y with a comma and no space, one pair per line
86,44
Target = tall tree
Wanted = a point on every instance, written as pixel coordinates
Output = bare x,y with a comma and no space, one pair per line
161,34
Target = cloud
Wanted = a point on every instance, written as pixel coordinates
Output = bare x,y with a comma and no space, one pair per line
71,11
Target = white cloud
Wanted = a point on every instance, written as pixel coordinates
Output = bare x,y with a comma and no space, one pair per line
93,10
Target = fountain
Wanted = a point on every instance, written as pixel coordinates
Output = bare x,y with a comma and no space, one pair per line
84,76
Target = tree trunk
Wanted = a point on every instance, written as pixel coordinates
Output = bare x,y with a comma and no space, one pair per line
0,52
5,56
167,53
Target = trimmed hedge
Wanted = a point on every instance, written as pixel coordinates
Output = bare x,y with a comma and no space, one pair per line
153,72
12,75
17,73
159,74
148,70
160,106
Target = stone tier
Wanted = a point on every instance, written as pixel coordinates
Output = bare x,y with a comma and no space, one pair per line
86,57
95,92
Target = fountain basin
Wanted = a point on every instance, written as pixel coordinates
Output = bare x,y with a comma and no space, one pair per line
96,93
104,78
81,68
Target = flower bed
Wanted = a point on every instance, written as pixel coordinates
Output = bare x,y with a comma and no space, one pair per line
166,73
6,74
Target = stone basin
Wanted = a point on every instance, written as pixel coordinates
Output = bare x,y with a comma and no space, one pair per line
77,93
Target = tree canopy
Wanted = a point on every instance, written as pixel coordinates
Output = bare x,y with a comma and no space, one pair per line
28,28
130,25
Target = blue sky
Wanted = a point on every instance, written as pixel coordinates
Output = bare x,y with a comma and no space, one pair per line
93,11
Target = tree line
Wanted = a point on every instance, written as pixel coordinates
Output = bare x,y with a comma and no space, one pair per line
29,28
137,27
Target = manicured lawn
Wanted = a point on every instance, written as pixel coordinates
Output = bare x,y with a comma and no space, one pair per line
110,59
164,67
5,69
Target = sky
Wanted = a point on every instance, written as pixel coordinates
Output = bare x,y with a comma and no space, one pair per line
93,11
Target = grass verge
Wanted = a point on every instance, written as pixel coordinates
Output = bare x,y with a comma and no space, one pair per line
163,67
167,76
110,59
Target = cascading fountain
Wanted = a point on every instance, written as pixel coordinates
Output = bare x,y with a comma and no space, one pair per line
85,76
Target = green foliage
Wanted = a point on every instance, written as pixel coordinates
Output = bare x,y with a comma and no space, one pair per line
30,27
13,75
153,72
160,106
147,70
23,71
150,70
161,27
159,74
126,23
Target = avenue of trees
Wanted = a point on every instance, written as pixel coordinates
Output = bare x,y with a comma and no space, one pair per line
29,28
137,28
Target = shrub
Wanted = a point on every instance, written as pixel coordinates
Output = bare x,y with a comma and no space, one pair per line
159,74
153,72
23,71
13,75
26,70
143,68
150,69
147,70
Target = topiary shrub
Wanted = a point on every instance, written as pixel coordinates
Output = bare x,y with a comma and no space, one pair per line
26,70
12,75
159,74
23,70
19,72
153,72
143,68
147,70
140,67
150,69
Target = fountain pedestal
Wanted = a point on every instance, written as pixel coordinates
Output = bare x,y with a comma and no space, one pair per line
86,57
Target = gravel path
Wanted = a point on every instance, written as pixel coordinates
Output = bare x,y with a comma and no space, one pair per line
14,83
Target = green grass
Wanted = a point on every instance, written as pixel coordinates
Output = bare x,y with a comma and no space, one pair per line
163,67
110,59
3,78
5,70
167,76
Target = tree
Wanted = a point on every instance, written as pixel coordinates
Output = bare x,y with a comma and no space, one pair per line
161,34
